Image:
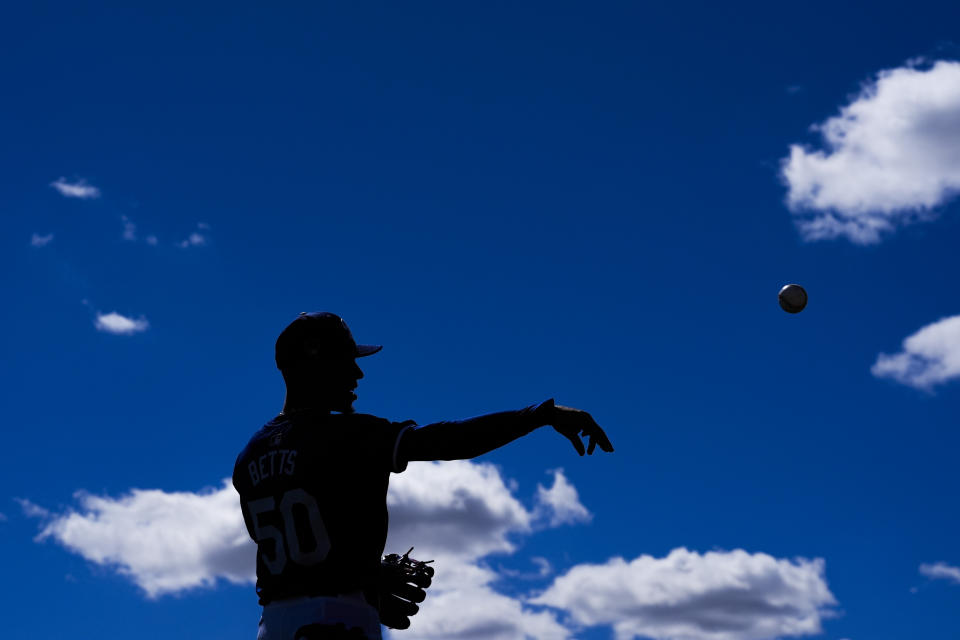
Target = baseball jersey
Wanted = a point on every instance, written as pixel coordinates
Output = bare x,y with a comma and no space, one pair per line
313,490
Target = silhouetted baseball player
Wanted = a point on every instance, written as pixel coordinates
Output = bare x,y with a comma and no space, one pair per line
313,486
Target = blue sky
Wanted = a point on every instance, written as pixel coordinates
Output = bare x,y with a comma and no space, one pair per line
520,201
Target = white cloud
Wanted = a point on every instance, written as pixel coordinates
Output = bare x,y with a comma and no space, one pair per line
931,356
459,513
456,508
454,512
561,502
78,189
892,155
152,240
37,240
462,604
941,570
118,324
465,509
720,595
164,542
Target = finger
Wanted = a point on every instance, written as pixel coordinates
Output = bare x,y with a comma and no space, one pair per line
577,444
394,605
605,442
409,592
422,579
593,445
394,620
601,436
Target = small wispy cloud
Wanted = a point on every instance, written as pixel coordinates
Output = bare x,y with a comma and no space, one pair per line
197,238
37,240
560,504
544,569
544,564
32,510
929,357
118,324
77,189
131,232
941,571
129,229
889,157
193,240
3,517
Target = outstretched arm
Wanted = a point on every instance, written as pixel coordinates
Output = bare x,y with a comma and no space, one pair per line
464,439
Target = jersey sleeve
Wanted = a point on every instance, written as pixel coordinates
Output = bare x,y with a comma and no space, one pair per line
385,442
396,464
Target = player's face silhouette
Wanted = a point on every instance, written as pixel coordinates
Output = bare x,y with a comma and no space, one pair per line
326,384
336,383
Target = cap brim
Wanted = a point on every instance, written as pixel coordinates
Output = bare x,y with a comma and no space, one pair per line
368,349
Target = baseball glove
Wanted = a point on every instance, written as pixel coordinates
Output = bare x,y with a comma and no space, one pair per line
403,583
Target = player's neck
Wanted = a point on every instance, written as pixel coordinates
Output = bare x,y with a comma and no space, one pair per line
299,402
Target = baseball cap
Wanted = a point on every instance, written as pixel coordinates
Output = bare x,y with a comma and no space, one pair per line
315,336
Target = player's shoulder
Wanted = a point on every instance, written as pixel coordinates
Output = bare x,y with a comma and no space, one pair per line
360,423
372,419
355,422
363,418
264,434
275,425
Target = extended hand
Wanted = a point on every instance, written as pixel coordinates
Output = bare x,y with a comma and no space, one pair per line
574,423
